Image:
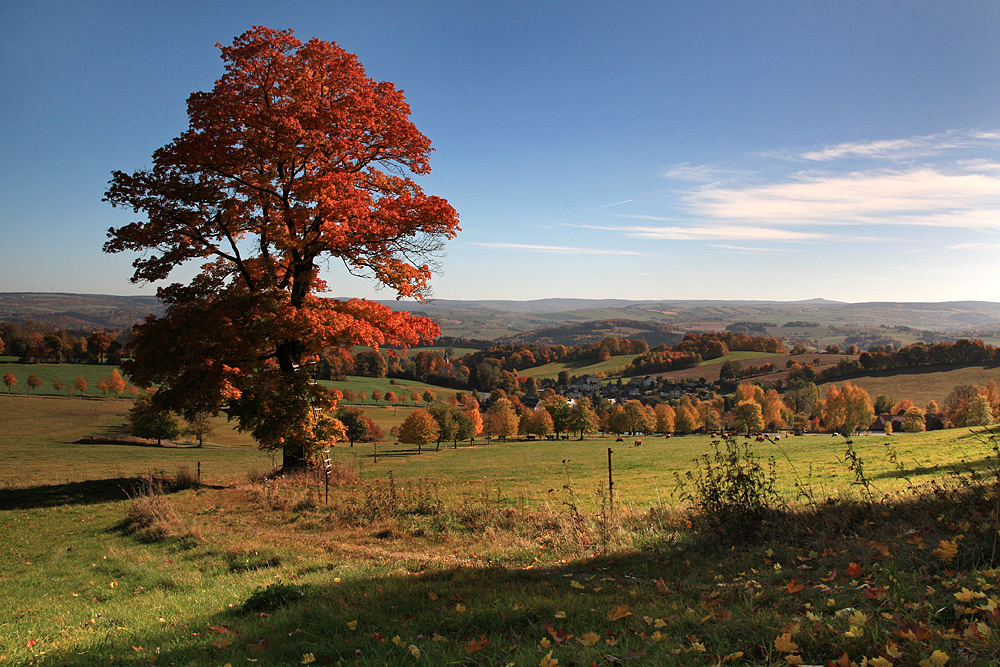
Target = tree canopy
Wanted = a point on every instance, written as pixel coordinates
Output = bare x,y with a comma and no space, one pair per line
294,158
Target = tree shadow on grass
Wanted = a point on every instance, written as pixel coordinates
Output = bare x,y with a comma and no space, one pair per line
498,615
90,492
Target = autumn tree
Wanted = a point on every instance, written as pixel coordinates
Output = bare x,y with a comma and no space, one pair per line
583,419
376,396
914,420
391,399
294,158
198,426
847,409
9,380
355,423
148,421
979,413
748,417
664,418
81,384
34,382
98,344
500,420
429,397
116,383
419,428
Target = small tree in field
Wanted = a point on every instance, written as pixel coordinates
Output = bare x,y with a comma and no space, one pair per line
116,383
148,422
10,381
58,386
391,399
80,384
429,397
349,395
34,382
374,430
377,396
199,425
355,424
362,396
103,386
419,428
914,420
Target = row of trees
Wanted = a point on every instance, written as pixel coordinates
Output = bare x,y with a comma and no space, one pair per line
114,383
49,344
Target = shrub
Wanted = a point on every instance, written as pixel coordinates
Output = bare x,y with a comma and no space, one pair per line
273,597
732,493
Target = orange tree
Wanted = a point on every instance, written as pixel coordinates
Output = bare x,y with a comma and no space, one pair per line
295,157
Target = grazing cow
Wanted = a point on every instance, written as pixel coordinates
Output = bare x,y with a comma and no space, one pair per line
619,440
638,443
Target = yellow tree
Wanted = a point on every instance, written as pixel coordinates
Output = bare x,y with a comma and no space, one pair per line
419,428
116,383
664,418
748,417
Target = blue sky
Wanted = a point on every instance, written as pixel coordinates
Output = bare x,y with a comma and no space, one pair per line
644,150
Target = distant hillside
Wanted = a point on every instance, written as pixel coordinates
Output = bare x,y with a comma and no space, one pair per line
492,320
76,311
653,333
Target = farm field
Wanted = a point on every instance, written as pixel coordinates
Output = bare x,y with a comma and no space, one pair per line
49,373
920,385
508,553
552,370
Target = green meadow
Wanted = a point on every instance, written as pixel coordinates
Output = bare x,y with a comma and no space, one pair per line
878,552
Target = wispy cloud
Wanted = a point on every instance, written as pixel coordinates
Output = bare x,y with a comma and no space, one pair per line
741,248
921,196
557,250
617,203
709,232
896,149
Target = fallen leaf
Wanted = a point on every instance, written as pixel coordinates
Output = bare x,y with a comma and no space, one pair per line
414,651
854,570
548,661
221,630
307,658
618,612
460,607
794,587
937,659
784,643
352,625
965,595
222,643
946,551
589,639
477,644
880,662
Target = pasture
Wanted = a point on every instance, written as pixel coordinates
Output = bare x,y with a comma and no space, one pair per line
506,554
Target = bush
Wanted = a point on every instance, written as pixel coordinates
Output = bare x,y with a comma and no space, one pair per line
273,597
732,493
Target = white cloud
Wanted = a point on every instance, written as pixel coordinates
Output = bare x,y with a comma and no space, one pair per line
897,149
922,196
697,232
558,250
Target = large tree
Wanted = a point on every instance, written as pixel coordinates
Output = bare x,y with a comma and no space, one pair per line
295,157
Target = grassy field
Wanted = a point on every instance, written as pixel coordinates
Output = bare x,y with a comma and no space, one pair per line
501,554
49,373
921,385
613,365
